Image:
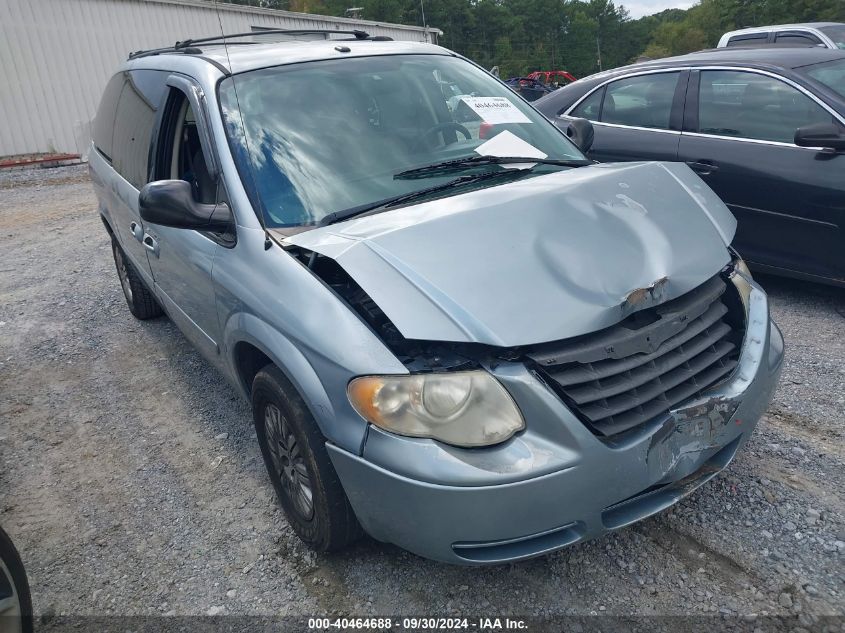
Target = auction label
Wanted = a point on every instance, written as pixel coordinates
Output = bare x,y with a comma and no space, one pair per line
496,109
417,624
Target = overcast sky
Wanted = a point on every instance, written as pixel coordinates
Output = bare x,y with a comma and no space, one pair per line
639,8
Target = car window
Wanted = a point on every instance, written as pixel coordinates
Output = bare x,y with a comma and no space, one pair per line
836,34
186,159
797,39
749,39
590,107
831,74
103,128
642,101
748,105
324,136
133,125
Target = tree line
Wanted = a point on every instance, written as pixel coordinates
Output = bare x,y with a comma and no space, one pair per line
581,36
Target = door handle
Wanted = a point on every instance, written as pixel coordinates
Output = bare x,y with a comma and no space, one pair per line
703,167
136,231
151,244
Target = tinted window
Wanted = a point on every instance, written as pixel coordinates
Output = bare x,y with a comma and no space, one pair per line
748,40
754,106
835,33
104,121
831,74
133,126
797,39
589,107
644,101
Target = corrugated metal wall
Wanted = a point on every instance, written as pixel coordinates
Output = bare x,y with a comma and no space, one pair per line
56,56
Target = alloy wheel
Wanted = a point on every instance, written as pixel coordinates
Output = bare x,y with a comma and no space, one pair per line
288,461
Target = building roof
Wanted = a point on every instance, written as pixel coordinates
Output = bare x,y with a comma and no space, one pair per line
342,22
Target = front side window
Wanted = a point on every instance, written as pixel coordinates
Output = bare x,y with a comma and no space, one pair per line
752,106
590,108
831,74
836,34
315,138
791,38
181,156
642,101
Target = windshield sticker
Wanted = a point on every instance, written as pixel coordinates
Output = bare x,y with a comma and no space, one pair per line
495,109
509,144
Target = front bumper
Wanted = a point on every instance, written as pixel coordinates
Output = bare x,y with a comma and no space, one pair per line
557,483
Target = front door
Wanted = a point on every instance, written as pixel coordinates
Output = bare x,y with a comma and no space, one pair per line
182,260
636,117
789,201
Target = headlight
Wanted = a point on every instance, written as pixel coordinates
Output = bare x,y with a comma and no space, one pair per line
740,265
741,278
467,408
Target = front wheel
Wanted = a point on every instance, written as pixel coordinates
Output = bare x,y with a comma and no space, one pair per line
15,601
294,452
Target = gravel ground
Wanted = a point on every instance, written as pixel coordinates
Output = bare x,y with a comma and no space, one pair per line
131,479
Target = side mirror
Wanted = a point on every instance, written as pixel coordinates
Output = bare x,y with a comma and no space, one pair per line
171,203
826,135
579,131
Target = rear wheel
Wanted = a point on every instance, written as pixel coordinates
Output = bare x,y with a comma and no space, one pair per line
15,601
141,301
298,463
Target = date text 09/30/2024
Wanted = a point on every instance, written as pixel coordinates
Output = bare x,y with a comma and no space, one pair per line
379,624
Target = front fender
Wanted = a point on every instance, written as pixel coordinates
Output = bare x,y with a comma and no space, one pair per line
338,422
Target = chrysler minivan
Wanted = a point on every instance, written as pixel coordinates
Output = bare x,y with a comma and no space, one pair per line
457,334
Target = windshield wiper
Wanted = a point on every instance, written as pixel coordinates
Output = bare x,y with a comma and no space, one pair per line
458,164
345,214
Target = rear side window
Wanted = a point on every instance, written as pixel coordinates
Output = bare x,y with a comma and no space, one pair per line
133,125
104,121
751,39
642,101
752,106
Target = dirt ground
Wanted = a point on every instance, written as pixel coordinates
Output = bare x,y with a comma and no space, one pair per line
131,480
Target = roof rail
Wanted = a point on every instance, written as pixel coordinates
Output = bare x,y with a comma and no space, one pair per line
189,46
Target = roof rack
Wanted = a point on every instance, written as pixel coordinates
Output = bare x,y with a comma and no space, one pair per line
189,46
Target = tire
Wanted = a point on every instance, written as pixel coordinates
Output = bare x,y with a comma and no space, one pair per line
141,301
298,463
15,599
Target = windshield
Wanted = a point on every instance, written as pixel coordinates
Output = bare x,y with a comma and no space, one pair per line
320,137
836,34
831,74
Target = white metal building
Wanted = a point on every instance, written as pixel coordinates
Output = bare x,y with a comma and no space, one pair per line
57,55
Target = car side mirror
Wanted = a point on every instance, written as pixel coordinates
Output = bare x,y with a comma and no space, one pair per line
826,135
580,131
171,203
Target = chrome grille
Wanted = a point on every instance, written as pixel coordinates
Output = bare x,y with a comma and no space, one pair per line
626,375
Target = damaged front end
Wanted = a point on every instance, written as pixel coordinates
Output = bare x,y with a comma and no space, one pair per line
651,383
584,464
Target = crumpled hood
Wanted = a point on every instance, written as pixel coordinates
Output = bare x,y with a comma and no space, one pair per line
542,259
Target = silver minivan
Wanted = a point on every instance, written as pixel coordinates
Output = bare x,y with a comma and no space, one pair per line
457,334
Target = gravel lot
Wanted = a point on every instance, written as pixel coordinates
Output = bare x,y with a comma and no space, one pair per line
132,483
